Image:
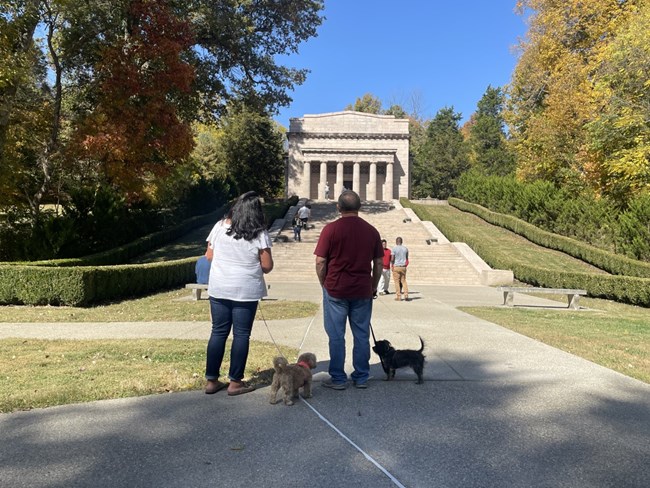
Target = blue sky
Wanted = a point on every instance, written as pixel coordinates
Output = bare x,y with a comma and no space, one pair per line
440,52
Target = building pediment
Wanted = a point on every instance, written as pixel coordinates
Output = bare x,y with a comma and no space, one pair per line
348,124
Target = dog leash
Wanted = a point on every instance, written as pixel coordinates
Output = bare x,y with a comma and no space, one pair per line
269,330
271,335
381,360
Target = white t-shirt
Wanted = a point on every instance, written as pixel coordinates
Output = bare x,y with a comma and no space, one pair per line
236,272
304,213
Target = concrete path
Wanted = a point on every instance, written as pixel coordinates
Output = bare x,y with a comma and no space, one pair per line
497,410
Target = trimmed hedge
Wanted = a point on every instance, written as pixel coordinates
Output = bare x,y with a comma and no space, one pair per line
126,252
627,289
84,285
99,277
610,262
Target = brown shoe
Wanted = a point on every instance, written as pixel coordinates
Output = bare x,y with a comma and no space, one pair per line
398,299
241,389
214,386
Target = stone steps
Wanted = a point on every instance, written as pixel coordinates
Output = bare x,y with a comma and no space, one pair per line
428,263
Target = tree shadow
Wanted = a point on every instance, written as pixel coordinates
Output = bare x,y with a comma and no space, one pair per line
490,432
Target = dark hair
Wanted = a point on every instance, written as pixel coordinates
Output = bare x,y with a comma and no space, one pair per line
246,217
398,241
349,201
384,240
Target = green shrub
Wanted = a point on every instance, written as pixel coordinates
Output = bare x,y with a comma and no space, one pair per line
627,289
101,277
634,228
571,212
38,285
125,253
610,262
279,209
85,285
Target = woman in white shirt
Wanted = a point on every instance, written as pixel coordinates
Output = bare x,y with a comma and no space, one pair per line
239,248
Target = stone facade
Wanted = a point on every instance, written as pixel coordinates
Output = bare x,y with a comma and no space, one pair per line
363,152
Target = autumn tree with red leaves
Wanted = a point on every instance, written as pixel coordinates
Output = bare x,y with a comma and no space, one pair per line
135,132
101,90
97,99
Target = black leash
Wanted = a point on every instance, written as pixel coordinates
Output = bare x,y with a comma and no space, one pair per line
372,331
381,360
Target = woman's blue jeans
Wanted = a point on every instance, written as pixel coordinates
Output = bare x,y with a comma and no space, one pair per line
336,312
227,315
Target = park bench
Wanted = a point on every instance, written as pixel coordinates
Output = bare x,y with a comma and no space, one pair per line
572,295
196,288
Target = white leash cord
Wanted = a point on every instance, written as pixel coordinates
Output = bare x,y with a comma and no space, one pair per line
365,454
330,424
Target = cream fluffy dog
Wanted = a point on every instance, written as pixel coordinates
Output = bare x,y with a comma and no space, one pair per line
291,377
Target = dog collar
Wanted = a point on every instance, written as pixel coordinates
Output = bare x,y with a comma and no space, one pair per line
303,364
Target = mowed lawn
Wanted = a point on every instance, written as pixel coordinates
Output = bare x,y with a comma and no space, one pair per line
40,373
509,246
611,334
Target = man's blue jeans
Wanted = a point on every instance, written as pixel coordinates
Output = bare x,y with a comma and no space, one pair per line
226,315
336,312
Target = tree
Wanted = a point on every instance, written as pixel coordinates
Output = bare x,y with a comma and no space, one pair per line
444,156
18,22
367,103
397,111
118,95
134,132
550,97
487,139
617,153
252,150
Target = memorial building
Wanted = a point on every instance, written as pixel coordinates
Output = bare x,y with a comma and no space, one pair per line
357,151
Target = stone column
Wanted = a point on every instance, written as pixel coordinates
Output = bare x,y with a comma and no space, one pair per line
323,179
306,180
338,187
371,193
388,192
356,177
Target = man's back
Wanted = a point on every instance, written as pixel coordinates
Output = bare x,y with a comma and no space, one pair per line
349,244
401,254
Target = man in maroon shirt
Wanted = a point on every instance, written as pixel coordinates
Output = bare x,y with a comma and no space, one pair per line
349,259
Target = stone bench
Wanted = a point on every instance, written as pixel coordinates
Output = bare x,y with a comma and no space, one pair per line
197,289
572,295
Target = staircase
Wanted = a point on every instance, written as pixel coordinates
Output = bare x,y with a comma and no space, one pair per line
429,264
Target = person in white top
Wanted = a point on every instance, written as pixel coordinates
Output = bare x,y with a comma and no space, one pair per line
239,248
304,213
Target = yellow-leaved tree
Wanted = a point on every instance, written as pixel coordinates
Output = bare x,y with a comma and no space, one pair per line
551,93
617,151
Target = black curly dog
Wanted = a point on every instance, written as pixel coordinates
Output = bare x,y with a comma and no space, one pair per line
392,359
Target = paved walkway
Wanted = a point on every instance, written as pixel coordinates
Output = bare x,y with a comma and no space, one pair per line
497,410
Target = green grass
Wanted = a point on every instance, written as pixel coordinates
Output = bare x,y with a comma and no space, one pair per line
169,306
509,246
42,373
190,245
614,335
611,334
